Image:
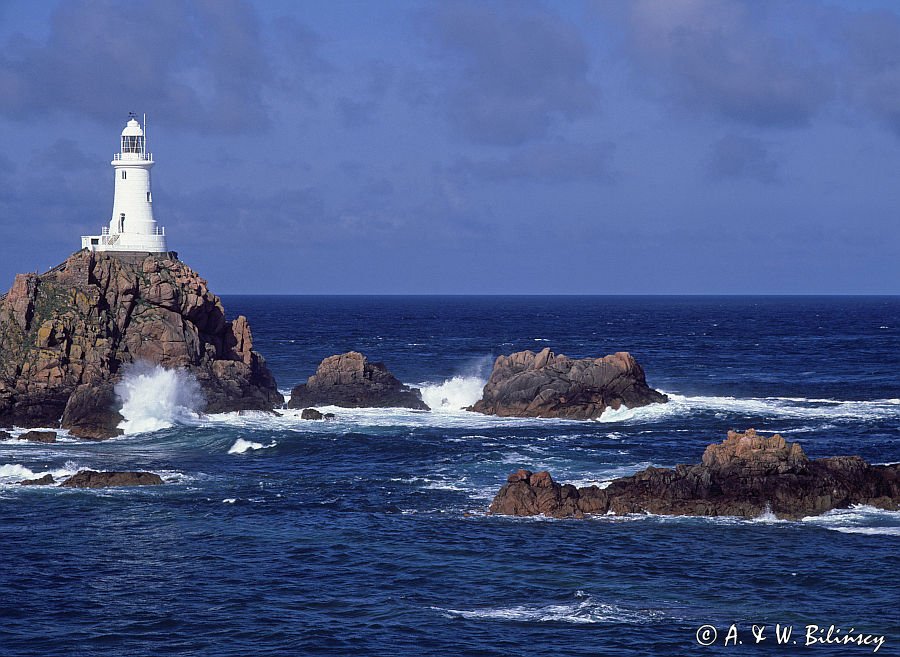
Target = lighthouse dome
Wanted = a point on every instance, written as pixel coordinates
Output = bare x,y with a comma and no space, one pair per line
132,129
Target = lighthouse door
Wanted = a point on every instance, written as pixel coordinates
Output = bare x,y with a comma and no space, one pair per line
122,223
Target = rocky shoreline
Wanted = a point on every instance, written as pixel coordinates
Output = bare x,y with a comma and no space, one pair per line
65,337
747,475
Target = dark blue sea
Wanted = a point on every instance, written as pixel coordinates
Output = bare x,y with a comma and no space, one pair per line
368,535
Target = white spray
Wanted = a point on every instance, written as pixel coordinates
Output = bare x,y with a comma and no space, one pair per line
155,398
460,391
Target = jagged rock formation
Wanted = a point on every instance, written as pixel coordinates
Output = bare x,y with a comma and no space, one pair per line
745,475
94,479
526,384
71,331
351,381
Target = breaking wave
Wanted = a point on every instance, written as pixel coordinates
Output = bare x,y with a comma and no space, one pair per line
460,391
241,446
454,394
12,473
859,519
155,398
448,400
773,407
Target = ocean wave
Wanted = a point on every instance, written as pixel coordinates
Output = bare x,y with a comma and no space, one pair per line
454,394
62,436
449,398
859,519
241,446
154,398
585,609
349,419
794,407
791,408
13,473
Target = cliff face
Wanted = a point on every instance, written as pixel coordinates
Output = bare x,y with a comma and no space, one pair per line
73,329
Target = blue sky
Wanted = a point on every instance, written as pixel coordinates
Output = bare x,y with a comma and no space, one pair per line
653,146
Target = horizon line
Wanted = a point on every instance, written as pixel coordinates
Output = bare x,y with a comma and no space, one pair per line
568,294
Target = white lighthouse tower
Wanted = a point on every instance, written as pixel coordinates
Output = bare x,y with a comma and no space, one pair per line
132,226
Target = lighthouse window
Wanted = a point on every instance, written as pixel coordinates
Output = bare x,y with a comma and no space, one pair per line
148,197
123,175
132,144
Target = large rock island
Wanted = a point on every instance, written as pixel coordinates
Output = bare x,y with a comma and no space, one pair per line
66,335
746,475
352,381
526,384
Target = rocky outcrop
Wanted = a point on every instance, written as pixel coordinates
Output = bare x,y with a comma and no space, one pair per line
313,414
46,480
94,479
92,412
526,384
746,475
39,436
351,381
73,329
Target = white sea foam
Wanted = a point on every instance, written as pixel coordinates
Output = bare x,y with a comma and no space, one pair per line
859,519
771,407
13,473
768,516
155,398
869,531
450,396
446,485
583,610
453,394
240,446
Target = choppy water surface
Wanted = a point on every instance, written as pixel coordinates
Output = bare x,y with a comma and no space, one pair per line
368,534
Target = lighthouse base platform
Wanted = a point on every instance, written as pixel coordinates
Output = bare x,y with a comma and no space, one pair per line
154,242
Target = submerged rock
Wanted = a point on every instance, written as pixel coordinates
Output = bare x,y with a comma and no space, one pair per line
46,480
94,479
746,475
39,436
526,384
351,381
313,414
69,332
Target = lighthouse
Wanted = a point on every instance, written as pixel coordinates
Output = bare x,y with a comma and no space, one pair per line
132,227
